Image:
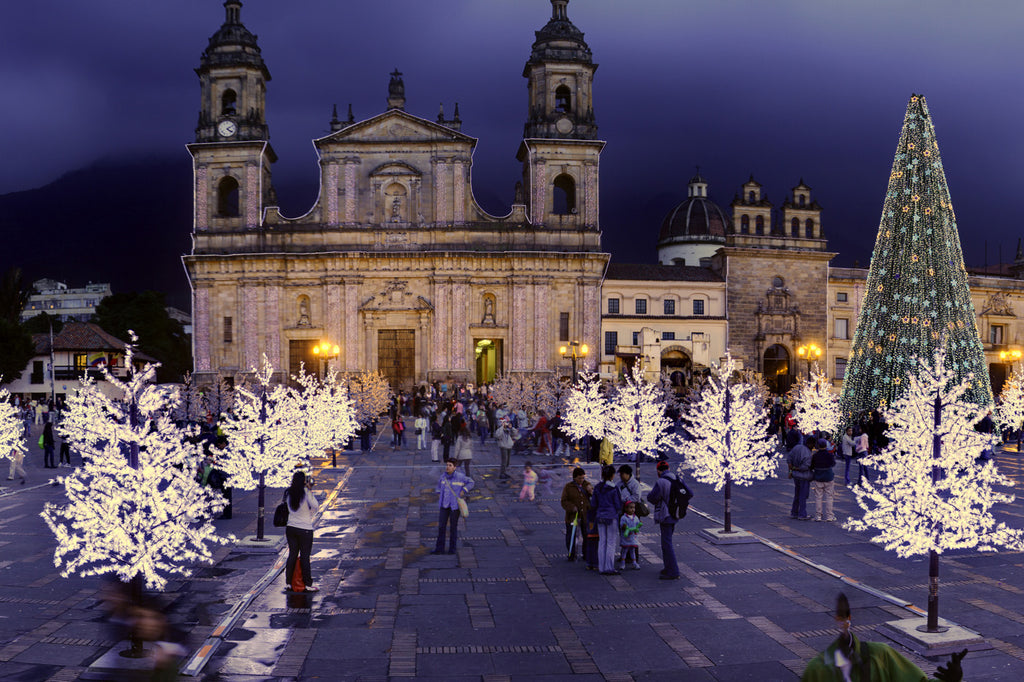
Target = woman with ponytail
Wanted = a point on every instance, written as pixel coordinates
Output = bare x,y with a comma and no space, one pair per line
302,506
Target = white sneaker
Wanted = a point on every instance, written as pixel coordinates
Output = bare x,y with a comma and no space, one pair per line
635,566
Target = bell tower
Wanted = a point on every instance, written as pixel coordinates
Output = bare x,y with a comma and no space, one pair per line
231,153
560,151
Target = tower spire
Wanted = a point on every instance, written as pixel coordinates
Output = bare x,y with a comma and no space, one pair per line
559,10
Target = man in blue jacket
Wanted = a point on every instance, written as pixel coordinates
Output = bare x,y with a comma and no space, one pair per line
450,487
659,496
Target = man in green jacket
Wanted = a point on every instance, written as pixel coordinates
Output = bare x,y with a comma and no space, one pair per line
850,660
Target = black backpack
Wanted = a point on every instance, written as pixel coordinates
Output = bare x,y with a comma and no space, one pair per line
678,498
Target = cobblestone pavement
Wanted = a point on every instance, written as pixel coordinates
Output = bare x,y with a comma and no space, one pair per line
508,606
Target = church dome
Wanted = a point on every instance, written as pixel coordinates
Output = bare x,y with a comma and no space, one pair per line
560,40
695,219
233,44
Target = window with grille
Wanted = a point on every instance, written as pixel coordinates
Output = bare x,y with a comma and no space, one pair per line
641,306
613,306
670,307
698,306
563,326
228,330
611,339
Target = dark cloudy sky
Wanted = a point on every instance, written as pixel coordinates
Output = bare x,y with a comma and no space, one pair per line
783,89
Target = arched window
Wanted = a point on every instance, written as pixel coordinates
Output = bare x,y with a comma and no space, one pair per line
809,228
564,199
745,224
227,197
752,196
759,225
563,99
795,224
227,103
803,200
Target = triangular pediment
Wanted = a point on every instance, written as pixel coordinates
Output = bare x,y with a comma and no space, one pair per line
395,126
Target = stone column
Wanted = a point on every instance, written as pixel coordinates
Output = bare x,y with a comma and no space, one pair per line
252,195
442,326
273,325
541,329
201,329
540,189
350,190
202,199
459,327
590,193
251,305
351,322
520,325
459,208
331,189
332,321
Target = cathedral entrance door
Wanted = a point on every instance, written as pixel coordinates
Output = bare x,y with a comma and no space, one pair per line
489,360
396,357
777,372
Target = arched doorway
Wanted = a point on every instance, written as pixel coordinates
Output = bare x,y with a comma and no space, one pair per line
677,365
777,371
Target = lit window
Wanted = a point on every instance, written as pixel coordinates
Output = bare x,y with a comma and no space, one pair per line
995,334
842,328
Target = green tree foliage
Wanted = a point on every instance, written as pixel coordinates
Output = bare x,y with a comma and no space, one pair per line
160,336
16,347
40,324
13,295
917,294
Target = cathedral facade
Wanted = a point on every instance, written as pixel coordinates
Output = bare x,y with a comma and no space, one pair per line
395,264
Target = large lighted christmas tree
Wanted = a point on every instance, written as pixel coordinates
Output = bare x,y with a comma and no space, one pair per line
917,292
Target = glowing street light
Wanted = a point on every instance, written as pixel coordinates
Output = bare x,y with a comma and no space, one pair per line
574,350
809,352
326,351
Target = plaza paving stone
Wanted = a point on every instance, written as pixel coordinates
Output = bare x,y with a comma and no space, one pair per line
508,606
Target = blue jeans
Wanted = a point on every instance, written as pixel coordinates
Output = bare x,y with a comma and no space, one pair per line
445,518
668,552
801,488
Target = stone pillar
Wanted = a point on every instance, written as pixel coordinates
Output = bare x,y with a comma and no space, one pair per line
202,199
590,193
273,325
332,318
442,326
331,189
519,323
251,306
351,322
541,318
201,329
350,190
540,189
459,327
252,195
459,208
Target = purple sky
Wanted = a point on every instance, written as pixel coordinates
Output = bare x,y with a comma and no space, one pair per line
783,88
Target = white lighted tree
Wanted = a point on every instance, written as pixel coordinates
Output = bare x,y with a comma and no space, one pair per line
586,409
370,394
553,391
729,426
931,493
327,412
219,398
190,409
1010,411
12,431
267,437
817,405
135,508
636,417
513,391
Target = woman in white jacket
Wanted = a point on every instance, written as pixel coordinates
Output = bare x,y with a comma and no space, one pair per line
302,506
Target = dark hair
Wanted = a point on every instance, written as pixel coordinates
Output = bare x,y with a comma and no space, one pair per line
810,441
607,471
578,471
297,490
626,469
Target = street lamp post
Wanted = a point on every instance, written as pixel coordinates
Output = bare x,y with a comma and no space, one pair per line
327,351
574,350
809,352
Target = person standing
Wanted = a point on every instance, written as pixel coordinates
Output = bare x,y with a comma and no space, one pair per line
823,480
629,487
542,433
607,502
48,446
848,445
302,506
435,438
447,436
629,529
505,440
421,431
860,451
575,502
17,458
659,496
450,487
464,448
799,461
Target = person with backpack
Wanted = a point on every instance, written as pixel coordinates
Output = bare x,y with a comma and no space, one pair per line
666,495
823,480
607,502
